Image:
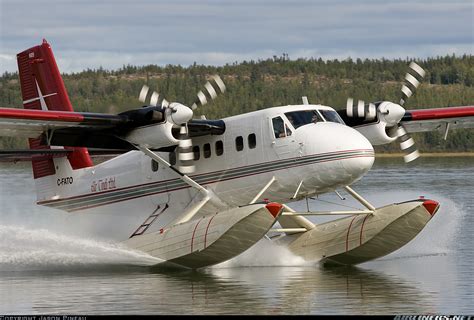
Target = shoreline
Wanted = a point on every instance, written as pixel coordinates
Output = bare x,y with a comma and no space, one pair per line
427,154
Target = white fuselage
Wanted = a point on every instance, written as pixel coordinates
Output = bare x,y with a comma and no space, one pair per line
312,159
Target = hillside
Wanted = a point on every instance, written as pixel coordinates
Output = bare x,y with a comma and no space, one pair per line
278,81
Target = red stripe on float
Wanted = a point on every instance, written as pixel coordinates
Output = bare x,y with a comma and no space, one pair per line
192,239
362,228
205,236
348,231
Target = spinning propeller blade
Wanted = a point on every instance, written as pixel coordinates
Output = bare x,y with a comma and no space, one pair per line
143,93
154,100
412,80
210,89
407,145
361,110
185,152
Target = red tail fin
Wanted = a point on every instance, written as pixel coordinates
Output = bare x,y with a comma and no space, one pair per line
43,88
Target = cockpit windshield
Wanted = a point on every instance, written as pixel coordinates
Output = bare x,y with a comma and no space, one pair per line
331,116
300,118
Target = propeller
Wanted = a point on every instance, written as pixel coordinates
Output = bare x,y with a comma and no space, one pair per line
154,99
392,112
361,110
185,151
201,98
180,115
412,80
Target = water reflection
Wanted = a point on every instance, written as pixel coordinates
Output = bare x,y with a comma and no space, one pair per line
256,290
432,274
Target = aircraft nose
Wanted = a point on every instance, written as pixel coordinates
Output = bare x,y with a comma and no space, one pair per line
358,152
344,145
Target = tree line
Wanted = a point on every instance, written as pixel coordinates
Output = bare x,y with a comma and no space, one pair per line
253,85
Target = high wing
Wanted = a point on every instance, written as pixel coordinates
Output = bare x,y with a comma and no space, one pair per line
92,130
423,120
15,155
32,123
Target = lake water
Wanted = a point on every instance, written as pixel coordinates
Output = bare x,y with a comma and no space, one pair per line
48,266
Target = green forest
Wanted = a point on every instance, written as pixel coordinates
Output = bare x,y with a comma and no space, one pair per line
254,85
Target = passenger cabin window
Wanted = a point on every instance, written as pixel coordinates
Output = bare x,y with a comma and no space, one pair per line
301,118
331,116
219,148
252,139
280,129
154,166
196,152
239,143
207,150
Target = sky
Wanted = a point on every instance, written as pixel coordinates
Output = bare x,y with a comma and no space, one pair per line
109,34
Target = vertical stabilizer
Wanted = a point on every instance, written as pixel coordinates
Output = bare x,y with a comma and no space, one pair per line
42,88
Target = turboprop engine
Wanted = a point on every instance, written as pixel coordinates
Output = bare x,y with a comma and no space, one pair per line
157,124
157,121
380,122
385,129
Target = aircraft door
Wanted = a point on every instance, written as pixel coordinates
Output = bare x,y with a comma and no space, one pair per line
154,173
282,137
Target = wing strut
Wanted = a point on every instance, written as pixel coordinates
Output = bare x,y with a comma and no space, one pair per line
193,210
299,223
182,176
359,198
263,190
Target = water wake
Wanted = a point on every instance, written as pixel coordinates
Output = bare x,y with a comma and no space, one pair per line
26,249
438,237
265,254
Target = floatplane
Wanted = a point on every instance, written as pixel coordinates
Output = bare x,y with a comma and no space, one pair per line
197,192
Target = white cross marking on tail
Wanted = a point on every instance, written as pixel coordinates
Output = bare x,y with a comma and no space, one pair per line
40,98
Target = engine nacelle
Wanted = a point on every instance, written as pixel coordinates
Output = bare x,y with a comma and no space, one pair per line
156,124
378,133
384,130
153,136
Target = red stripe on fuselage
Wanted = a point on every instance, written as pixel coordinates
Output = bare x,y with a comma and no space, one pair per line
197,176
174,189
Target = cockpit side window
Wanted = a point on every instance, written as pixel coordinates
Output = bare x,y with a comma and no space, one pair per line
301,118
280,129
